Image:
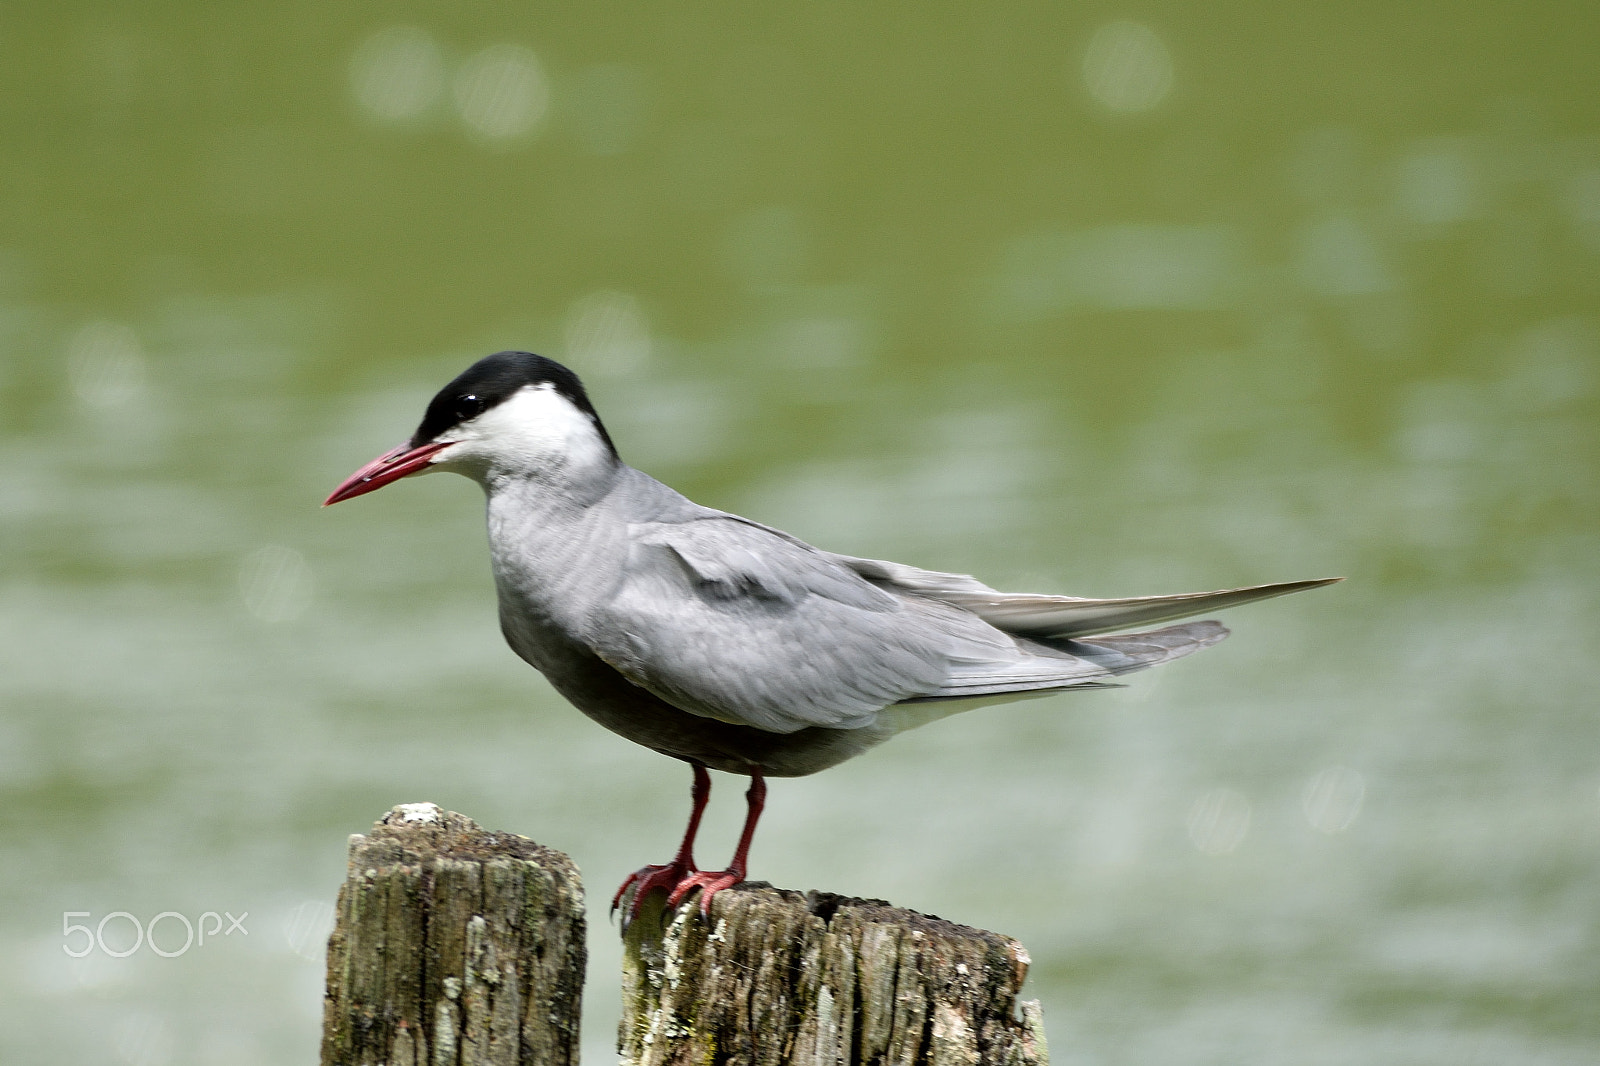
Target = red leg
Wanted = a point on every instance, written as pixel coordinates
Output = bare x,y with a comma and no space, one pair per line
668,877
710,882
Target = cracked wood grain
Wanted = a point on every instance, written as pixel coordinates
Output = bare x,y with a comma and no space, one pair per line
776,977
453,946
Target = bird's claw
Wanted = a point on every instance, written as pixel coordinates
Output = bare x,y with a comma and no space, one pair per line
639,884
709,882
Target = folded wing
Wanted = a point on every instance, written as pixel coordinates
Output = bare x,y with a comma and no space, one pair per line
730,620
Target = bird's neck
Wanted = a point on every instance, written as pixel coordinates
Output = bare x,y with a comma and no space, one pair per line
545,534
520,505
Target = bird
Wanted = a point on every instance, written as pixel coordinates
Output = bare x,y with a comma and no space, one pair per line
728,644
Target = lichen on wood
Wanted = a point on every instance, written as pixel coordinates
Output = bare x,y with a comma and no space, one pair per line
453,945
777,977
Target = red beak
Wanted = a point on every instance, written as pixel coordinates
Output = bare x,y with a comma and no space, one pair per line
390,466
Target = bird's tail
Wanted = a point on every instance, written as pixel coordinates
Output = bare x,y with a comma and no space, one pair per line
1057,618
1053,618
1127,652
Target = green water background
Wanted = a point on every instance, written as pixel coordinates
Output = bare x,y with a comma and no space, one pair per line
1093,298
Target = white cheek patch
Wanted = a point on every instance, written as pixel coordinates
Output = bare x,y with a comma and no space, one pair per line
532,429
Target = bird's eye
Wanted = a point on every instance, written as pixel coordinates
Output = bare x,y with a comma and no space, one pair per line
469,407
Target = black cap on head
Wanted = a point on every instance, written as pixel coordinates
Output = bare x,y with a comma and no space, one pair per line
495,379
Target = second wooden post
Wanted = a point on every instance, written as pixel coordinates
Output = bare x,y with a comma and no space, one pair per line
778,977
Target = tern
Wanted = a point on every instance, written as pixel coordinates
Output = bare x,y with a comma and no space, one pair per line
729,644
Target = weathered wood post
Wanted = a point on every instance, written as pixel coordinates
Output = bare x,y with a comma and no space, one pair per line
453,946
777,977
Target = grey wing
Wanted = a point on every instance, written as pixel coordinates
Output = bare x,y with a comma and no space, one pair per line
730,620
1061,618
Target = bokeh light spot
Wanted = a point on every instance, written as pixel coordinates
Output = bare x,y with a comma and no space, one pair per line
275,583
607,333
1121,268
1219,821
397,73
821,343
105,364
1551,364
1583,198
306,928
1332,799
143,1039
502,93
1338,257
1436,184
1127,67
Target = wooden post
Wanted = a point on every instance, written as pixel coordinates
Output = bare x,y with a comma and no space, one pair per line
777,977
453,946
